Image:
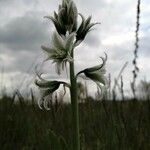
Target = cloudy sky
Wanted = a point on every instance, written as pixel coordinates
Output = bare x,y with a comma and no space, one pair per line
23,30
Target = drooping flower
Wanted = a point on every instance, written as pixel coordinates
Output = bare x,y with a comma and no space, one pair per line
97,74
47,88
60,50
66,18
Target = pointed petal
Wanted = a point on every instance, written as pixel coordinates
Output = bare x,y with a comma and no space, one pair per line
69,41
58,41
47,49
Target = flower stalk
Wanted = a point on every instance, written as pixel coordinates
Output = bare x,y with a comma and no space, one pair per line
67,36
75,107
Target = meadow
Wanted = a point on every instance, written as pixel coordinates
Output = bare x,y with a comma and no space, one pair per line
104,125
106,122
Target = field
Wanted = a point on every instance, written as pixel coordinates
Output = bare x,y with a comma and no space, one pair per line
117,118
104,125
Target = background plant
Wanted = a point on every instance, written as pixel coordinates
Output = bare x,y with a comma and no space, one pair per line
136,69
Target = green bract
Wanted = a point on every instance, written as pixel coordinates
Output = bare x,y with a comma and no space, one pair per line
84,28
66,18
60,51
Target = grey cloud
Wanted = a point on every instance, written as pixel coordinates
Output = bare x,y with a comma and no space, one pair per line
21,62
10,2
92,39
144,46
10,7
25,33
6,1
90,6
22,37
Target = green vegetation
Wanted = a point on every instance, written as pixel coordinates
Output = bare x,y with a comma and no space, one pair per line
106,125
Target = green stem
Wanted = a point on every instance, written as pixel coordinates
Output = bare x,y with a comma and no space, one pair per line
75,109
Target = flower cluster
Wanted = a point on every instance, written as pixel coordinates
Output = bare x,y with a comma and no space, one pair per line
66,18
67,36
66,21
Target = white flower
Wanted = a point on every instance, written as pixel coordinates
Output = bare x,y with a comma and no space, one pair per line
97,74
47,88
60,51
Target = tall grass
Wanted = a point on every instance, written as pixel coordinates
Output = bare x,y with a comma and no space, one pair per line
118,125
